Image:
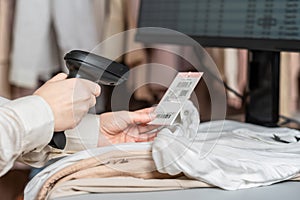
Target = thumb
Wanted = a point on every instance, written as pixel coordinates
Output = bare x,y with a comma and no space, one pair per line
93,87
58,77
141,118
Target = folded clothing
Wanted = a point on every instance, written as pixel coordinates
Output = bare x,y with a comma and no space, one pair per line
240,156
227,154
116,171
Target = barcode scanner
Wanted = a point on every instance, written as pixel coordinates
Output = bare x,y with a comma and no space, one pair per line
95,68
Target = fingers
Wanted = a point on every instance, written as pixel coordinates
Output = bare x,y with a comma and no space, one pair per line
97,90
140,134
92,101
145,137
140,118
94,88
58,77
148,129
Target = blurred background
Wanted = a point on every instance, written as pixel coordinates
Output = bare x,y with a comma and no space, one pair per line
36,34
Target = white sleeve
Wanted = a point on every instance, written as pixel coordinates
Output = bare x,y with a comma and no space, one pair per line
84,136
26,125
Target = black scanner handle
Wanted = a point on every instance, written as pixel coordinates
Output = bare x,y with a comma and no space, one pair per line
59,139
94,68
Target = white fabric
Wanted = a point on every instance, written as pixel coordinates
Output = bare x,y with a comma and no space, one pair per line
231,69
84,136
46,30
27,126
241,156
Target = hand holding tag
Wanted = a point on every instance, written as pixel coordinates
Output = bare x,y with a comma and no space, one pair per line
178,93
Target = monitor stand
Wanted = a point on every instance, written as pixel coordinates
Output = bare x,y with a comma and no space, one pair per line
262,106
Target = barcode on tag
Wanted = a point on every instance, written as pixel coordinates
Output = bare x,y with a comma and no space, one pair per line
164,116
184,84
183,93
177,94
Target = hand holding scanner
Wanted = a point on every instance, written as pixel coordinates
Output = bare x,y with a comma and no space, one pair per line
95,68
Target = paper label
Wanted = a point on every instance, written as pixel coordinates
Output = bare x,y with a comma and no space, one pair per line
173,100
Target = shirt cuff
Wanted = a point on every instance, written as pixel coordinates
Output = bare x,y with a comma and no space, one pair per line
36,117
84,136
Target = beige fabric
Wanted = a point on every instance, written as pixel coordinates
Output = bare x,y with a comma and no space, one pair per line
6,22
243,67
289,73
235,66
121,16
217,55
296,178
285,93
136,58
231,68
114,23
121,184
294,72
113,172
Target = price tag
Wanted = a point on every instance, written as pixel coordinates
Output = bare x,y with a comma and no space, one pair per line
178,93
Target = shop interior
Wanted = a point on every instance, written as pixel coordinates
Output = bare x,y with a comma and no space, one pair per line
253,44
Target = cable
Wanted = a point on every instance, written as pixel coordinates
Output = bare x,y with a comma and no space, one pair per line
242,97
288,120
214,76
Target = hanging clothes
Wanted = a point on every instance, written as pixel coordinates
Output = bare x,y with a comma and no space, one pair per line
44,32
231,74
137,58
6,24
120,16
293,81
289,74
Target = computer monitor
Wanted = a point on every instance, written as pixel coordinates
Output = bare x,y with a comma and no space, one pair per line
264,27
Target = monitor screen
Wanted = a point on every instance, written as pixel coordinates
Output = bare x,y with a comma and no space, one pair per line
265,27
253,24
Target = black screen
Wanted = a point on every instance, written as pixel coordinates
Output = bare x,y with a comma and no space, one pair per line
228,23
